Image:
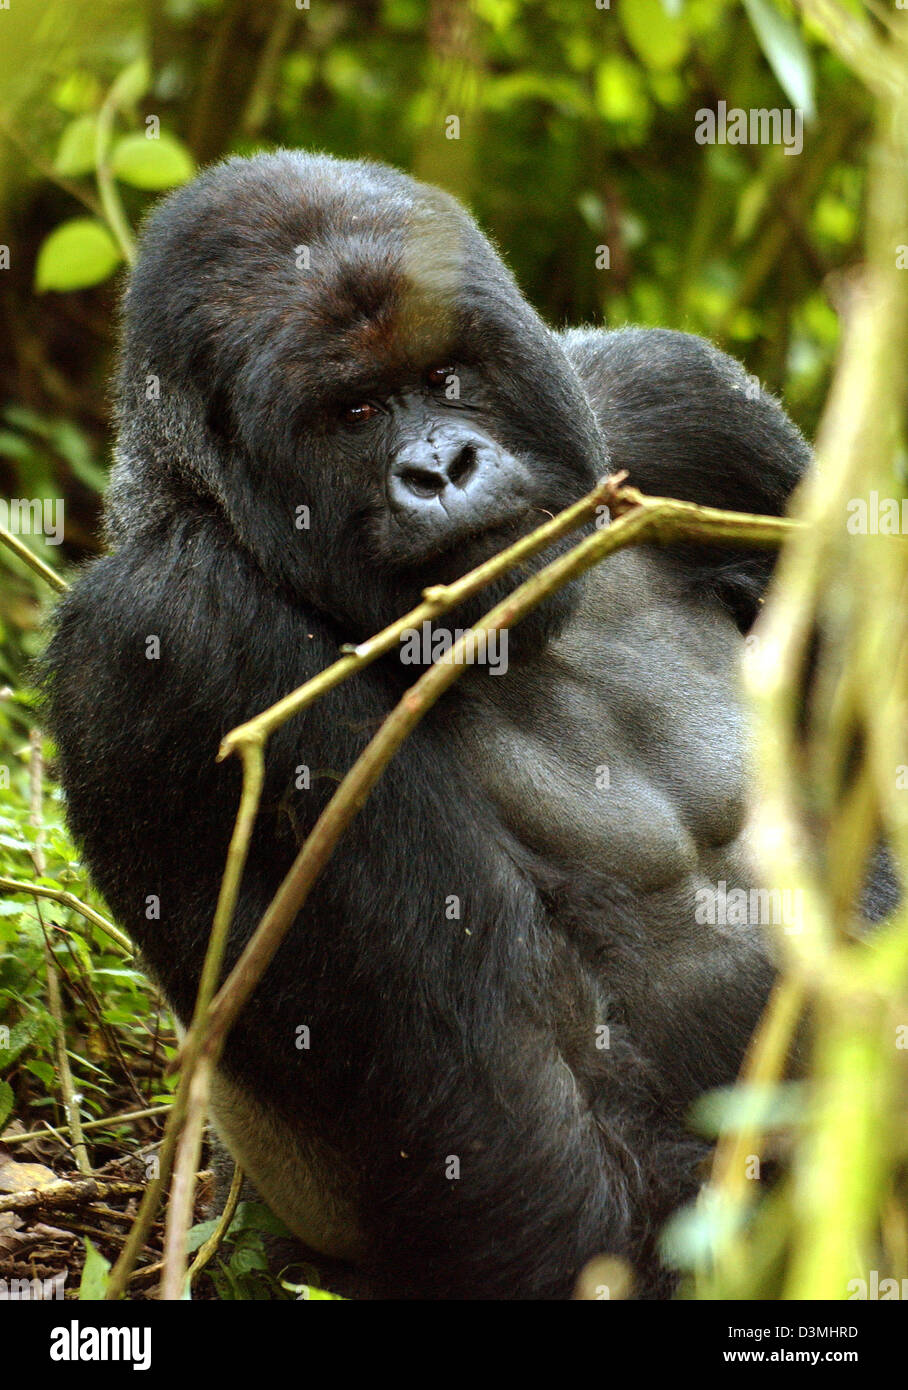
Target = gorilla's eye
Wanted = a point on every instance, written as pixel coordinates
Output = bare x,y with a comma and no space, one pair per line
361,412
438,376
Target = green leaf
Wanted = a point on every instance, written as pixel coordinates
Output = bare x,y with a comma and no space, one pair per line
93,1285
132,83
76,153
13,446
76,93
161,163
659,39
620,90
20,1035
785,52
6,1102
78,253
69,441
44,1071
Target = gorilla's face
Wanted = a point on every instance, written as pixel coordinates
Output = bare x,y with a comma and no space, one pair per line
350,375
449,486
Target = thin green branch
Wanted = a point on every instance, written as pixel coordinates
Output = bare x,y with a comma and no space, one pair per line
60,895
50,577
107,189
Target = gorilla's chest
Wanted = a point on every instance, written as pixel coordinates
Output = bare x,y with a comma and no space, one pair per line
621,750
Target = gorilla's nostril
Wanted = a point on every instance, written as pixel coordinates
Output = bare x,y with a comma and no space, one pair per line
422,483
463,466
427,475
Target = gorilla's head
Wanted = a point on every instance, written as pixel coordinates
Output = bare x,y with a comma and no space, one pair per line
333,358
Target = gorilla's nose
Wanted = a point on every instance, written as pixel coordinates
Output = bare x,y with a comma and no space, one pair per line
426,472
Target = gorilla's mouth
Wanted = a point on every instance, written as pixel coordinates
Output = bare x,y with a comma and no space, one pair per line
451,558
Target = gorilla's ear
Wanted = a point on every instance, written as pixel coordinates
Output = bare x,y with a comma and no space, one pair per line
174,449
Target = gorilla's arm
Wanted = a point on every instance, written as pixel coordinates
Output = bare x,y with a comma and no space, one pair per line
687,421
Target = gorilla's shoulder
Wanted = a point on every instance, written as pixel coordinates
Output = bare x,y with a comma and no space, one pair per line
685,417
666,359
688,421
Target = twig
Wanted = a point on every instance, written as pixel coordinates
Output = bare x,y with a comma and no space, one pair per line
60,895
213,1243
110,198
48,171
436,600
14,544
68,1194
647,519
109,1122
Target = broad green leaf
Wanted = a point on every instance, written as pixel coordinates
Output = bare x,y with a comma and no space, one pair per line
132,83
621,94
78,253
44,1071
13,446
785,51
77,92
503,93
95,1274
152,164
76,153
498,13
658,38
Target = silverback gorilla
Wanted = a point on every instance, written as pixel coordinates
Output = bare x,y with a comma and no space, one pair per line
332,393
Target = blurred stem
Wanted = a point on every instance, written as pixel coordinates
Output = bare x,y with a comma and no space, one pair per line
107,189
841,1164
835,635
764,1065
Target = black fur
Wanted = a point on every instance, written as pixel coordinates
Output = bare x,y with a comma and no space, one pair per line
430,1038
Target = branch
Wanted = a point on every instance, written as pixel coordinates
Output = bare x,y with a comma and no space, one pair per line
641,519
59,895
14,544
107,189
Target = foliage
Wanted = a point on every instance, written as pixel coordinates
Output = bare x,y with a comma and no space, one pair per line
113,1011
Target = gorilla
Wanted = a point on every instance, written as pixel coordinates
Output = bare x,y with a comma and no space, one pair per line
469,1067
